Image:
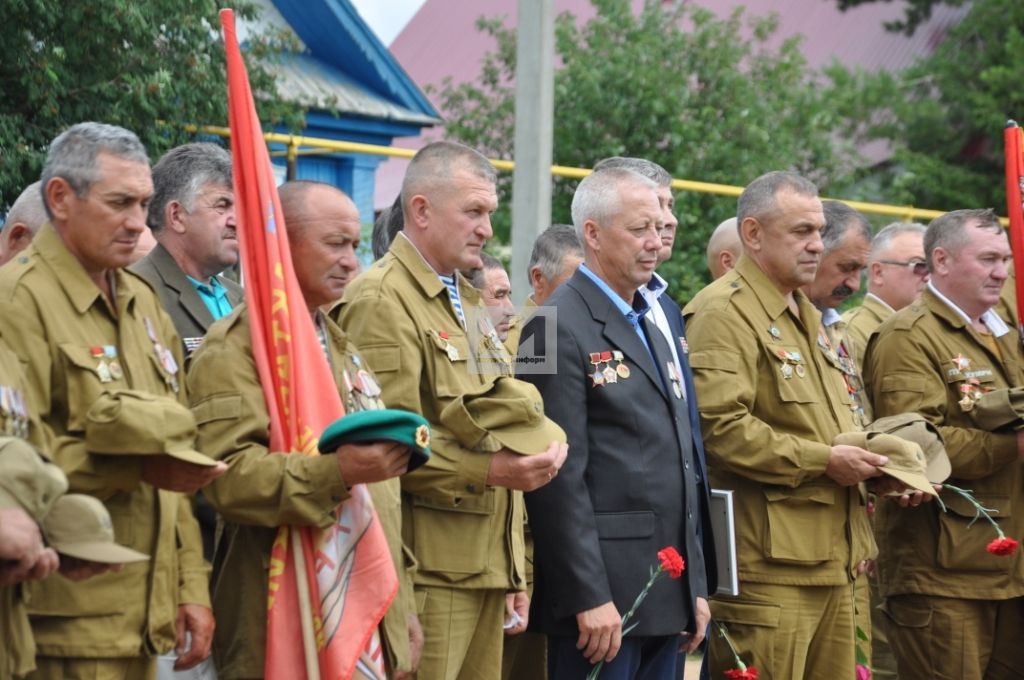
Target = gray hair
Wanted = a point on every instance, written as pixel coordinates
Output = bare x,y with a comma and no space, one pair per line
386,227
551,248
640,166
435,164
884,238
72,155
839,219
758,200
949,231
597,196
476,276
182,173
28,208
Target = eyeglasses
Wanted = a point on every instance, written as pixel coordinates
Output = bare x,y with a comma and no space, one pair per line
919,267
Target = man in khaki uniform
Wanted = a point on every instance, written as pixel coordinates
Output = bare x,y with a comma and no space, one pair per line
846,240
724,248
770,407
84,326
22,222
937,357
897,273
415,319
260,492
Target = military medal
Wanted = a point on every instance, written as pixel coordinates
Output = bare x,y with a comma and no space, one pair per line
683,345
800,371
621,368
774,332
163,355
676,378
449,348
110,352
597,376
787,371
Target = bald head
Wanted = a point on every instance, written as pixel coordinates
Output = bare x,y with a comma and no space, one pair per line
23,221
724,248
323,233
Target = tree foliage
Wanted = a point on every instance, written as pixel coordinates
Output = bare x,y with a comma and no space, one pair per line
707,98
148,66
944,117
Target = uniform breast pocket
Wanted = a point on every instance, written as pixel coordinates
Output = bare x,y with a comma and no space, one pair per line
449,361
792,380
83,381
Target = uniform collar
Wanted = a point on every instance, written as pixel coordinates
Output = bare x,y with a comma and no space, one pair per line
773,302
81,290
882,308
403,250
991,320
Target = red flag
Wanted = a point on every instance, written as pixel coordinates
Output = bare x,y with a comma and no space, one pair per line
1015,205
328,589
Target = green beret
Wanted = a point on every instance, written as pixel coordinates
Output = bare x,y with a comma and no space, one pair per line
388,424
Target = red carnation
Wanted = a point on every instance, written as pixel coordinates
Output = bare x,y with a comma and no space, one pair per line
749,673
1001,546
673,563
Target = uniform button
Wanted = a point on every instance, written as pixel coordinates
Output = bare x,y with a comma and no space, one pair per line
471,488
689,515
686,465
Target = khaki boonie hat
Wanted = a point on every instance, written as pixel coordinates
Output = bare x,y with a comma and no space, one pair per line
906,459
134,422
1000,408
79,526
509,411
27,481
914,427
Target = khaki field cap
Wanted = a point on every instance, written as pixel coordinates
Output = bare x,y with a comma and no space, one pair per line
508,410
130,422
913,427
1000,408
26,480
79,526
906,460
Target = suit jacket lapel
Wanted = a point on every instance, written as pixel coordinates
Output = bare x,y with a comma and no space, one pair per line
175,279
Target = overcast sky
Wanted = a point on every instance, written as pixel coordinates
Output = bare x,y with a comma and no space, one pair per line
387,17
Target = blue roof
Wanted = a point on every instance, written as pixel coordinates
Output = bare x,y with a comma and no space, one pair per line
335,34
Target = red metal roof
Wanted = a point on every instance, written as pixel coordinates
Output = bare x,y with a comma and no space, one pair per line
441,41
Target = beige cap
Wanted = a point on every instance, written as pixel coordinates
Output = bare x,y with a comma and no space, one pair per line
916,428
27,480
134,422
999,409
906,459
508,410
79,526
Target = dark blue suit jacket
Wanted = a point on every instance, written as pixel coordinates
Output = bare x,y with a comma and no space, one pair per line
678,326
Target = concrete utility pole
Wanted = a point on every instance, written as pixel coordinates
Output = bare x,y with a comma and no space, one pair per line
535,100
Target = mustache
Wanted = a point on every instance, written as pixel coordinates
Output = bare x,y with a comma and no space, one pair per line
842,291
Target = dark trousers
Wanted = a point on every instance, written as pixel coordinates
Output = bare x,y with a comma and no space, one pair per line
639,658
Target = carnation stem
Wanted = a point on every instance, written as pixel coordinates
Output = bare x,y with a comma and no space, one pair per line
979,510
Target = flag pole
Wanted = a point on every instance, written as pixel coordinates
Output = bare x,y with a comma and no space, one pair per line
1012,139
305,608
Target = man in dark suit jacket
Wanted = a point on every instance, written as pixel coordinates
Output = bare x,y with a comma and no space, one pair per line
631,483
192,216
